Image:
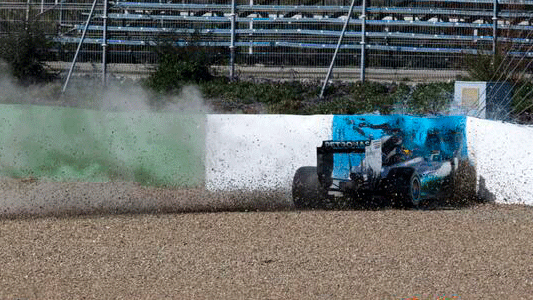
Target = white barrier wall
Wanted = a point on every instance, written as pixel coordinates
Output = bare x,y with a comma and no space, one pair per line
261,152
503,154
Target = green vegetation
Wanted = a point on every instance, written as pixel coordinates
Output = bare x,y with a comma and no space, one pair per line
343,98
270,97
179,66
25,50
484,66
433,98
359,98
523,101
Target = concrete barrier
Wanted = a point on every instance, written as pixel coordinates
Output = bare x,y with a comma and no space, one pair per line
503,154
262,152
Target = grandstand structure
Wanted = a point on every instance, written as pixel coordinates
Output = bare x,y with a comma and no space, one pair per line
399,35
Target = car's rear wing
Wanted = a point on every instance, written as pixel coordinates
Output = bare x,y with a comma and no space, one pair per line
343,146
325,156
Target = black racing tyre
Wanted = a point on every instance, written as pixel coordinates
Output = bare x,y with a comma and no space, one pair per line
404,187
306,189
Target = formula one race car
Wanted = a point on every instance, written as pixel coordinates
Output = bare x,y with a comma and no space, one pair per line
362,169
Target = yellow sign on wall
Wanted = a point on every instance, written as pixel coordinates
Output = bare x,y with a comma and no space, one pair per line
470,97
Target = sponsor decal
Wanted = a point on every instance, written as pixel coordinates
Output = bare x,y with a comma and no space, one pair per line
346,144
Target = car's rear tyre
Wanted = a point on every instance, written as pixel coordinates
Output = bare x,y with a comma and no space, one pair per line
404,187
306,189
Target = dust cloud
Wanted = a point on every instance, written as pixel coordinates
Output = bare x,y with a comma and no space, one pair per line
91,150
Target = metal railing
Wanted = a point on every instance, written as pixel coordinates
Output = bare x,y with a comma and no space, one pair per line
405,35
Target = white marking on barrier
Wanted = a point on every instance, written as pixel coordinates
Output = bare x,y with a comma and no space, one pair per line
261,152
503,154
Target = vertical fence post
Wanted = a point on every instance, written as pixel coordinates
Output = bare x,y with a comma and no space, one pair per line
363,41
232,43
104,46
495,30
59,28
27,14
251,27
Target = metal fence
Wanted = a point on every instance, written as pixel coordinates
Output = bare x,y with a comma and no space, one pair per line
296,38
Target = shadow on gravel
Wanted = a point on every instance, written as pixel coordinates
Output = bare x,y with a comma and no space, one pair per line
386,204
180,201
